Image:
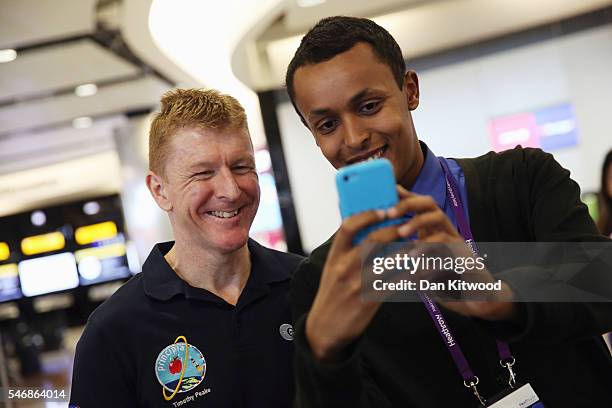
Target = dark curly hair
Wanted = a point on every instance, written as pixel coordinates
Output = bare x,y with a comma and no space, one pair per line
335,35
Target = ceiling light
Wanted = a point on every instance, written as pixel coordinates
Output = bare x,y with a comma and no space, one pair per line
91,208
38,218
7,55
86,90
309,3
82,122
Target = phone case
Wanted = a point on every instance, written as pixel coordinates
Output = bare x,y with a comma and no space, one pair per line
367,186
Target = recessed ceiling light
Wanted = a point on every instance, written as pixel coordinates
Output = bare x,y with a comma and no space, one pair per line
86,90
309,3
38,218
7,55
91,208
82,122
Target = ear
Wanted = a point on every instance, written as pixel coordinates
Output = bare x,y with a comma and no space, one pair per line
411,89
157,187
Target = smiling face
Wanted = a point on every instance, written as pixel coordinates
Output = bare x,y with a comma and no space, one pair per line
356,111
210,188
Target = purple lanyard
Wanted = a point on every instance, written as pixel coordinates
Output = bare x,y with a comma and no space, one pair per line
469,379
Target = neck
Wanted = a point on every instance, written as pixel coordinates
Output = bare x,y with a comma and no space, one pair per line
224,274
409,178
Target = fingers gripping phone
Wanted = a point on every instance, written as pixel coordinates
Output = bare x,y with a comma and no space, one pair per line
367,186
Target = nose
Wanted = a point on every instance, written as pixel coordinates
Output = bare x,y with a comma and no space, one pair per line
356,136
226,186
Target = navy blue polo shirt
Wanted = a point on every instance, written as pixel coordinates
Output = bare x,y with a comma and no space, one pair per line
158,342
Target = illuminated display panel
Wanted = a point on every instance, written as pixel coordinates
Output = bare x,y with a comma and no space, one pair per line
48,274
103,261
39,244
88,234
5,251
64,246
9,282
550,128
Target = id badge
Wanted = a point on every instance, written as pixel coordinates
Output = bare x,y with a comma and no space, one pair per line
521,397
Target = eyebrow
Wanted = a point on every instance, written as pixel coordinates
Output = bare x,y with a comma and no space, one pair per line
244,159
199,165
241,159
355,99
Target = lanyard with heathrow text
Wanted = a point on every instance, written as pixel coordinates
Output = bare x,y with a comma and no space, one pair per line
506,359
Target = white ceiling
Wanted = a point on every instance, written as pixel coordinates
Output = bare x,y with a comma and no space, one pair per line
34,149
65,43
27,22
54,68
62,44
299,19
59,110
421,27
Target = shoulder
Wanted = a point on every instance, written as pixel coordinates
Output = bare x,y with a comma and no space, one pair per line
310,268
276,265
319,255
120,305
99,341
285,258
519,156
269,254
519,166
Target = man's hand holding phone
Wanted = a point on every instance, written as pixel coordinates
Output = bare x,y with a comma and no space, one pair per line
431,225
339,315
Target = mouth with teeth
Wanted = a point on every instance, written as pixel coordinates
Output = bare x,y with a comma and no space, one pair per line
224,214
371,155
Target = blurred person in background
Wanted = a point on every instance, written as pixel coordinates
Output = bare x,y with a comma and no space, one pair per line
604,204
349,85
207,322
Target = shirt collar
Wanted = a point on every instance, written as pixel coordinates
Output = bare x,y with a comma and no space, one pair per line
162,283
430,180
160,280
266,265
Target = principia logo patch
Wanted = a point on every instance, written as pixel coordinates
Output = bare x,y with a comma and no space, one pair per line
179,367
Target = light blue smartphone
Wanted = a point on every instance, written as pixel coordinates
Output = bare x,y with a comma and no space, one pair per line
367,186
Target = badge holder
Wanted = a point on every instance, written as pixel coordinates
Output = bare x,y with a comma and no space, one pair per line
521,396
472,385
512,375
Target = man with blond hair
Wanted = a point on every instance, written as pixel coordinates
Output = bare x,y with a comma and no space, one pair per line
207,322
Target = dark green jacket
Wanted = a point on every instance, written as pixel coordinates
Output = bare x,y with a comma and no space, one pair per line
522,195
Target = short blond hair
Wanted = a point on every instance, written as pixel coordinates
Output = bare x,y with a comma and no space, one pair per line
191,108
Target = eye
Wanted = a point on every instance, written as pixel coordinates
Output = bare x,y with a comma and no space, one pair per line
243,169
204,174
370,107
327,126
